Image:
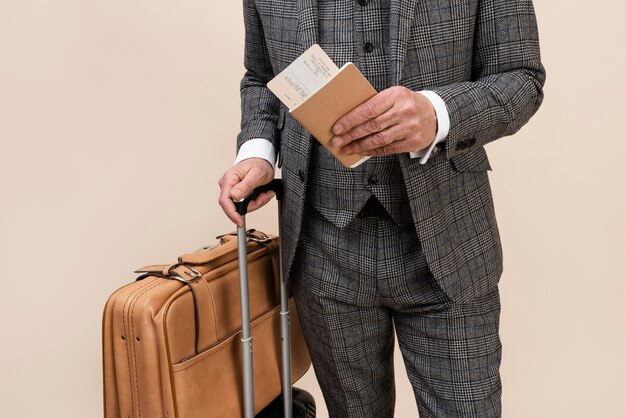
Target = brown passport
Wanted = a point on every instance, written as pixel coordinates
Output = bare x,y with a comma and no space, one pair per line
341,94
318,94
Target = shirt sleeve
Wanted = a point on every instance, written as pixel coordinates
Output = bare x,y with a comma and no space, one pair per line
257,147
443,125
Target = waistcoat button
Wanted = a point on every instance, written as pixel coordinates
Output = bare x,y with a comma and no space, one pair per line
301,175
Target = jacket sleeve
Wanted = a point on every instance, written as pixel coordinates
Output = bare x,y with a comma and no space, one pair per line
259,107
506,86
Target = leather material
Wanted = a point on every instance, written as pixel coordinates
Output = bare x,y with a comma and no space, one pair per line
151,367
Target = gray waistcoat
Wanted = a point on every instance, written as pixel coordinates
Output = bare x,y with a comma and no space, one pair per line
335,191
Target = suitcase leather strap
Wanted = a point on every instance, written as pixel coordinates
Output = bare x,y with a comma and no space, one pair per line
185,267
185,275
228,242
192,266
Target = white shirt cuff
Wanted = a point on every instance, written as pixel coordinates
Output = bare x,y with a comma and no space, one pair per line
259,148
443,125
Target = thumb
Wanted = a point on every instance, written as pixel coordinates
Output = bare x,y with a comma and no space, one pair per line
246,185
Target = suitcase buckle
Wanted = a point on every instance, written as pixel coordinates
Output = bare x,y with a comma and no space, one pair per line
251,234
190,272
258,236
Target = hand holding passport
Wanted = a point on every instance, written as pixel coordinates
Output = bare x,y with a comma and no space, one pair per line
318,94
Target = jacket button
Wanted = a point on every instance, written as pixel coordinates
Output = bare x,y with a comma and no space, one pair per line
372,180
466,143
301,175
368,47
363,2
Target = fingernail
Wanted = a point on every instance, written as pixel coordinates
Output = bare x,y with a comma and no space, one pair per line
337,129
338,141
347,151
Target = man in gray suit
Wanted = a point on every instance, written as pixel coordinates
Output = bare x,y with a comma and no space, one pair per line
407,241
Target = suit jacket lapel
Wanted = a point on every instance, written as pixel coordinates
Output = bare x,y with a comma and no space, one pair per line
307,23
401,17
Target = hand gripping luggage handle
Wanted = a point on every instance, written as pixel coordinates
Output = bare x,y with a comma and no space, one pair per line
241,206
275,186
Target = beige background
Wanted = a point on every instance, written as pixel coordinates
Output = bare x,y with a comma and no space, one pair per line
117,118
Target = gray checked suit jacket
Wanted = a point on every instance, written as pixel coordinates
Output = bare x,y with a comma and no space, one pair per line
481,56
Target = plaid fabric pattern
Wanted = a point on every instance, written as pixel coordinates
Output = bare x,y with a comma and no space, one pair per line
336,191
480,56
353,285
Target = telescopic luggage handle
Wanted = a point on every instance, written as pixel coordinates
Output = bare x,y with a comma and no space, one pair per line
275,186
241,206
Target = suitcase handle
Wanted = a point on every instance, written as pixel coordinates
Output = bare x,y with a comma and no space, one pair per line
275,186
241,206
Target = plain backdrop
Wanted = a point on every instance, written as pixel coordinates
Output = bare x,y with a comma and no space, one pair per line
118,117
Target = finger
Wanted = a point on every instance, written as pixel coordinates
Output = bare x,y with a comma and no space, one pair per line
229,208
252,179
253,205
378,140
239,182
369,127
372,108
226,183
260,201
244,188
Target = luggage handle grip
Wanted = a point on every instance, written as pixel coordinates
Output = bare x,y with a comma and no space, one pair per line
275,186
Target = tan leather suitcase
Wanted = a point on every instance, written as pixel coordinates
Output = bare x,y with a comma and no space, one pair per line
172,340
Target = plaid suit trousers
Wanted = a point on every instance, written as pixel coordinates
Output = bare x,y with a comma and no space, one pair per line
354,286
